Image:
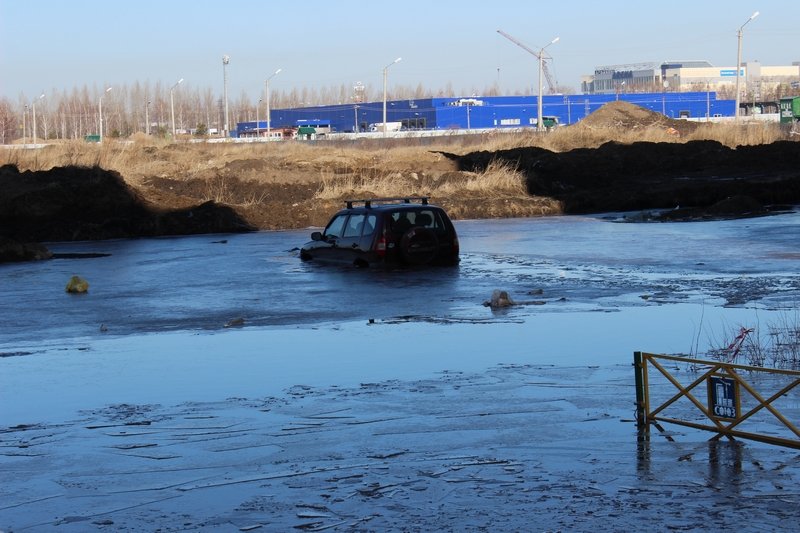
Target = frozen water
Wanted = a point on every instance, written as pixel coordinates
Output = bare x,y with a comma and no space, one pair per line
492,413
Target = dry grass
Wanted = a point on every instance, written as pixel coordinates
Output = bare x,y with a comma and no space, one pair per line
775,344
747,134
499,180
581,136
373,165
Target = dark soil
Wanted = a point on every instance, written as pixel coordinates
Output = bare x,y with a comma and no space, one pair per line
75,203
693,176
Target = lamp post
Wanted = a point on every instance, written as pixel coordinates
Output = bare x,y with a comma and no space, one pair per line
739,62
33,106
385,71
225,60
100,109
266,95
258,104
172,105
539,121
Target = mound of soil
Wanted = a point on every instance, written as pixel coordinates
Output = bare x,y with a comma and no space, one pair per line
627,116
78,203
638,176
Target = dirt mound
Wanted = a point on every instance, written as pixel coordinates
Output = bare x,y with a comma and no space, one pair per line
631,116
638,176
79,203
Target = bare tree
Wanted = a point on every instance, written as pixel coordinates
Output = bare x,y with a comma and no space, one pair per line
9,121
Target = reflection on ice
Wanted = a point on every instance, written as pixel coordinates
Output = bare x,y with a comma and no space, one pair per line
167,368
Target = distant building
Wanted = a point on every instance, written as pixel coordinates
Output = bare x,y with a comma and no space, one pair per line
474,113
695,75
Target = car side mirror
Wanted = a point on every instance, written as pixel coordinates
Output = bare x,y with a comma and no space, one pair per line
316,236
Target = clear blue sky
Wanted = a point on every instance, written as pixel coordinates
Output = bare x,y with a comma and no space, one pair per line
48,45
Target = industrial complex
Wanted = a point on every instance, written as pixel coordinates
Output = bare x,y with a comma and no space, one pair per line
677,89
474,113
756,79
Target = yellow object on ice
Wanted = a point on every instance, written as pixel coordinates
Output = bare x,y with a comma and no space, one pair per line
77,284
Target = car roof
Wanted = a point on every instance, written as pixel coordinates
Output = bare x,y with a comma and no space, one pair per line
406,203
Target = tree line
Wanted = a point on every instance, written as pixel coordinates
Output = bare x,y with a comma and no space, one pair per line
146,108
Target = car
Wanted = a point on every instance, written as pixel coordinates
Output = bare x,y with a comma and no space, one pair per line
407,231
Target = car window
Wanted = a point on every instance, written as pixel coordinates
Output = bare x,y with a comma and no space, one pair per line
354,226
424,218
334,229
400,221
369,225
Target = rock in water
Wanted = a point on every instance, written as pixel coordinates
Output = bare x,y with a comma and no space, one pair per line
500,299
77,285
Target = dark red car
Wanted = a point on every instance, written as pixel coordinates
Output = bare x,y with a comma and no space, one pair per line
386,231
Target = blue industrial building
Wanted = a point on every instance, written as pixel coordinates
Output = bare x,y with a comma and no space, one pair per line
484,112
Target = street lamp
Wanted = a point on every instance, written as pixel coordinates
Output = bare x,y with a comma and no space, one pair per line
539,121
385,71
172,105
33,105
739,62
225,60
258,104
100,108
266,95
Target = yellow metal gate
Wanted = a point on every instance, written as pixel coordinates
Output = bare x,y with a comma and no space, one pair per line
738,401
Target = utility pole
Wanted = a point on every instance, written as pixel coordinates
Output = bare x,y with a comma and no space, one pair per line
542,72
225,60
385,71
269,110
739,62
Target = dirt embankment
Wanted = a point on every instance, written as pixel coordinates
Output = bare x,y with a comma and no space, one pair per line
694,180
694,176
75,203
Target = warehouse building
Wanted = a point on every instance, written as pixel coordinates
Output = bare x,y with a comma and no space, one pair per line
476,113
755,79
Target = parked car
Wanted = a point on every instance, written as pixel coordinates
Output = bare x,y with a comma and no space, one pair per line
386,231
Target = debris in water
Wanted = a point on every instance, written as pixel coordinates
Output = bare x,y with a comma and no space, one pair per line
77,285
499,300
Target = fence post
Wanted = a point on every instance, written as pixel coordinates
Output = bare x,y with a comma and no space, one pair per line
638,369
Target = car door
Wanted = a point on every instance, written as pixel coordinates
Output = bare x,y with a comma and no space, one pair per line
325,249
348,246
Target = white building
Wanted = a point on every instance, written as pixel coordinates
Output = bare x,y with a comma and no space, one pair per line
678,76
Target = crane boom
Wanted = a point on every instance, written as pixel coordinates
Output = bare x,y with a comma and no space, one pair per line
551,84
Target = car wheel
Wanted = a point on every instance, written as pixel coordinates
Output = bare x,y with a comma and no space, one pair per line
419,246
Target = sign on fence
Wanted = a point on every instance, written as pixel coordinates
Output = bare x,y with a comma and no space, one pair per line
723,397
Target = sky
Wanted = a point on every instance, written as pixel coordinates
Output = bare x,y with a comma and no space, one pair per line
60,45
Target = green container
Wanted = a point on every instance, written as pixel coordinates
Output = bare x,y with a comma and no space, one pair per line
91,138
790,110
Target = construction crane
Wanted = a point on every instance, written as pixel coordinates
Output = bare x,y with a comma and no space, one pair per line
552,86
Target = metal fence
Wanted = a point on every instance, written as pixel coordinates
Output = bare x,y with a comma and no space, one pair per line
729,399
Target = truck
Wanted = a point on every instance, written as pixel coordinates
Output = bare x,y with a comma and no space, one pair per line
549,122
790,110
390,126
